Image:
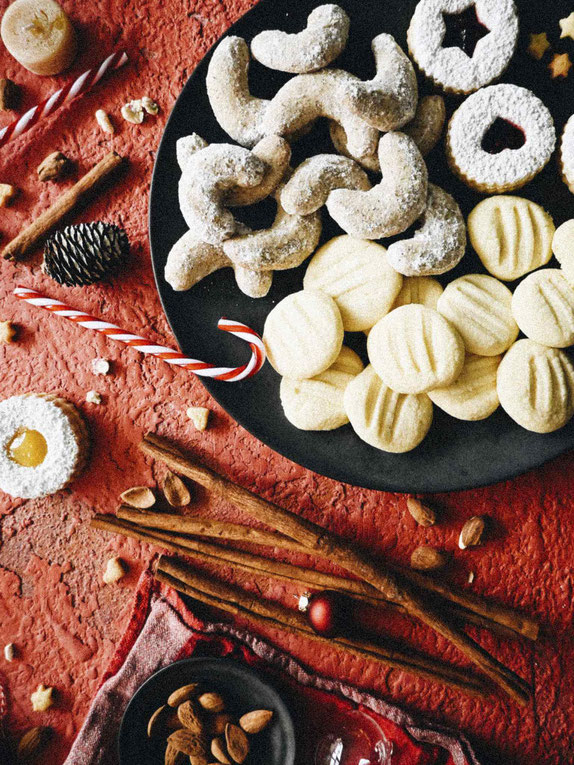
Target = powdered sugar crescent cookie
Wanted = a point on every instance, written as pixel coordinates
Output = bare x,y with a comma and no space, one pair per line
567,154
563,248
414,349
536,386
317,403
543,307
238,112
388,101
511,235
305,98
423,290
395,203
450,67
510,168
303,334
473,396
355,273
322,40
479,306
438,245
390,421
312,182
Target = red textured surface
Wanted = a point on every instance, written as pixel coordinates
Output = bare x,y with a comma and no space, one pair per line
53,605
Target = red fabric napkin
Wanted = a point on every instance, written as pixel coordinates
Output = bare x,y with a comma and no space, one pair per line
162,629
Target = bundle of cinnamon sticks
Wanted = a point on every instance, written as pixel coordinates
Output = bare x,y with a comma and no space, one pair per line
375,582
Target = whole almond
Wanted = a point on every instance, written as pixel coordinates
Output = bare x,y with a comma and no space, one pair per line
173,756
183,694
426,558
218,722
32,743
175,491
197,759
212,702
237,743
256,721
423,515
138,496
187,742
219,751
472,531
189,716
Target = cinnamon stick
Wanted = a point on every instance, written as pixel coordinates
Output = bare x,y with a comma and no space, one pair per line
241,603
357,562
64,204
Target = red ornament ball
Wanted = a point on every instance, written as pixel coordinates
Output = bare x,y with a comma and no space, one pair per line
326,613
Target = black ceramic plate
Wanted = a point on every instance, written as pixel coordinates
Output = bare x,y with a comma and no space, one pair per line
243,691
455,454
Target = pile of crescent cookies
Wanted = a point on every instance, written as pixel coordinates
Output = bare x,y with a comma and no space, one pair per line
454,347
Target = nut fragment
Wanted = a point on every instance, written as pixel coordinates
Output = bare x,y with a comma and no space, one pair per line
187,742
237,743
426,558
212,702
150,105
256,721
133,112
7,194
173,756
219,751
104,121
31,744
9,95
9,652
175,491
218,722
140,497
422,514
157,723
42,698
93,397
100,366
472,532
8,332
189,716
54,167
182,694
199,415
116,569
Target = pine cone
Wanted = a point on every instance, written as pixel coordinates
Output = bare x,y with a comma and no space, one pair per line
86,253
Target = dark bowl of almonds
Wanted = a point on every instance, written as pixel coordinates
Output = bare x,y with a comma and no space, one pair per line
205,711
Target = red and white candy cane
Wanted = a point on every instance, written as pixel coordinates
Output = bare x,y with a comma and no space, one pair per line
81,85
229,374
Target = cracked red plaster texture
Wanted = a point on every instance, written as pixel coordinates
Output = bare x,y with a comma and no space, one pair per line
53,605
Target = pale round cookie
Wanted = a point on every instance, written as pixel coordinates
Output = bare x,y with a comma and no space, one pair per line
511,235
473,396
303,334
536,386
423,290
563,248
390,421
543,307
479,306
414,349
317,403
357,275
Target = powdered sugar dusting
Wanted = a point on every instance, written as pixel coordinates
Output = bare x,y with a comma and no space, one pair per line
567,153
452,67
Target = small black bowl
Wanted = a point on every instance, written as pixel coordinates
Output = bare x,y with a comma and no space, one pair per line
243,691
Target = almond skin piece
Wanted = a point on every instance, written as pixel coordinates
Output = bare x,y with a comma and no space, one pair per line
472,531
212,702
428,559
237,743
182,694
218,722
423,515
32,743
157,723
219,752
187,742
188,715
138,496
175,491
254,722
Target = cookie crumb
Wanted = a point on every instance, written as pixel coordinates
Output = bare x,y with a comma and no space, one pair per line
116,569
9,652
133,112
149,106
8,332
104,121
101,366
7,194
199,415
42,698
93,397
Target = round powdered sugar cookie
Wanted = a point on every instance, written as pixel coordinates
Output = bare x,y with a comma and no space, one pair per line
567,154
479,306
303,334
563,248
317,403
356,274
414,349
536,386
473,396
390,421
511,235
510,168
423,290
450,67
543,307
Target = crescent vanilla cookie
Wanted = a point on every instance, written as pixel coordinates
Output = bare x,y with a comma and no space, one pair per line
414,349
479,306
303,334
473,396
543,307
356,274
390,421
317,403
536,386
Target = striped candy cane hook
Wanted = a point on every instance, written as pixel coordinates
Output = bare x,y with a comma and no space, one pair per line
175,358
